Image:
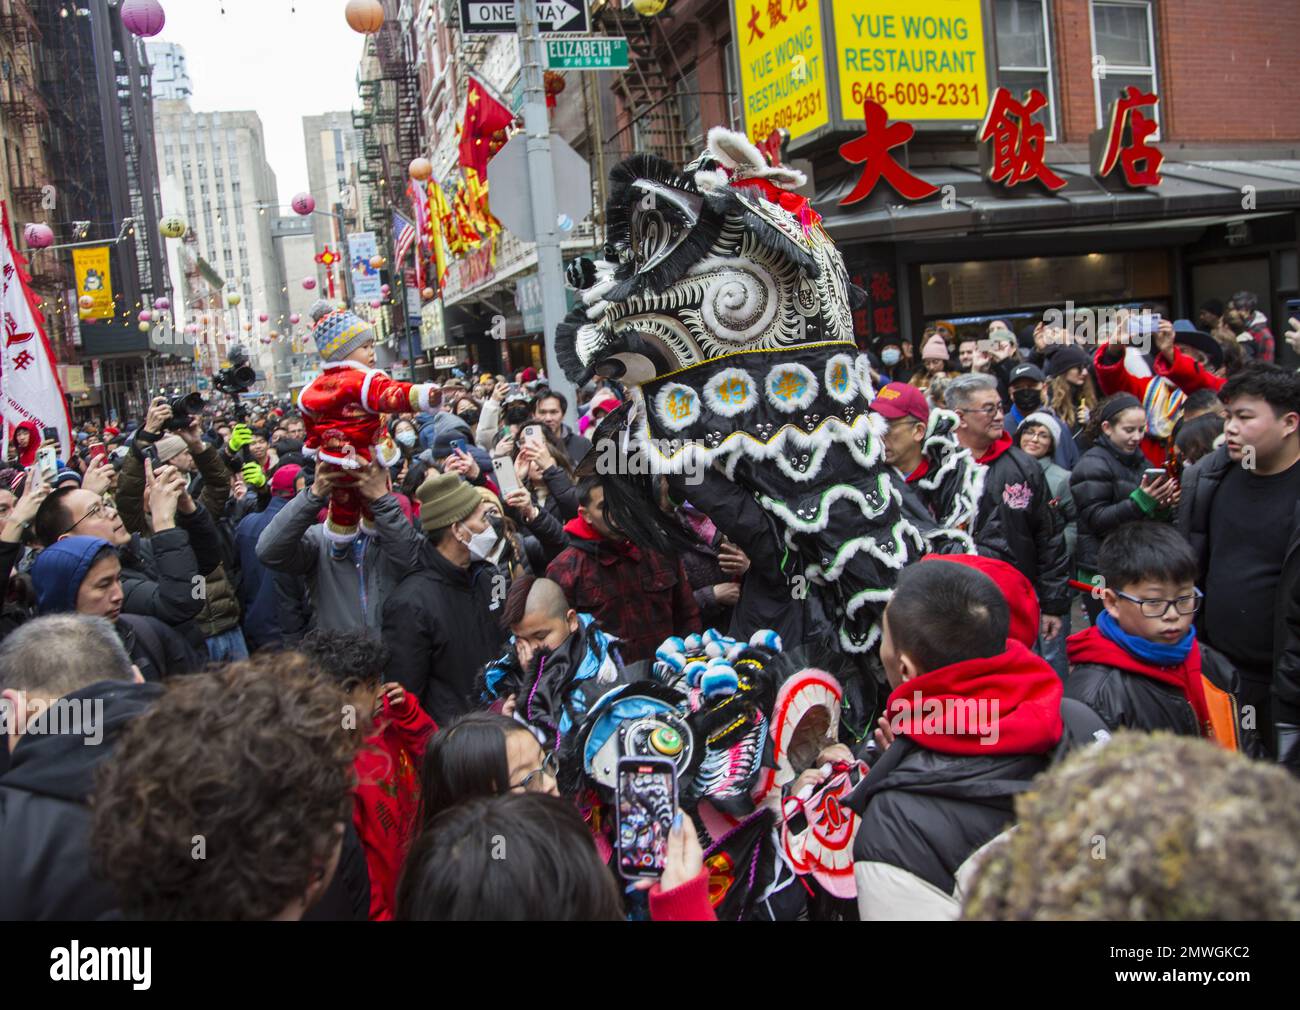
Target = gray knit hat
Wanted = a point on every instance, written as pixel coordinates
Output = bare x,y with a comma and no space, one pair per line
1047,421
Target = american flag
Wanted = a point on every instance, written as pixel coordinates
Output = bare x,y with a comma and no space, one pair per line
404,237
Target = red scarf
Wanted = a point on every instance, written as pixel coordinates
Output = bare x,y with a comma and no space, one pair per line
919,472
995,450
1024,688
580,528
1091,646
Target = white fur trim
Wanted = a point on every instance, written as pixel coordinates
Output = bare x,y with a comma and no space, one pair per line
327,365
783,371
680,395
738,399
352,462
336,537
371,374
425,394
846,391
310,453
863,367
709,182
736,152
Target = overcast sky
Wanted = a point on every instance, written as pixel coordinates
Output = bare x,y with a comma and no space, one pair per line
261,55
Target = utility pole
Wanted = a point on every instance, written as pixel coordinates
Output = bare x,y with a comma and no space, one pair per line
541,178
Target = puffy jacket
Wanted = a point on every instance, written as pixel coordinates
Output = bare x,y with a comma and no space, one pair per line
158,573
220,611
45,814
1102,483
295,543
924,816
1016,524
258,593
441,624
1200,482
157,650
1058,483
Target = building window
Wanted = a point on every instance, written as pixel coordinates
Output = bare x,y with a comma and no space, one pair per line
1124,53
1025,55
688,104
731,81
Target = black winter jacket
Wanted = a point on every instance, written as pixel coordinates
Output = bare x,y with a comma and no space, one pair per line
1024,531
1127,700
441,623
158,573
45,817
923,815
1200,482
1101,483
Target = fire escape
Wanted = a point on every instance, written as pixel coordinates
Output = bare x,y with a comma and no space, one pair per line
648,88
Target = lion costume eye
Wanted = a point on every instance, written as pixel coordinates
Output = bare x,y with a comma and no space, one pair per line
661,219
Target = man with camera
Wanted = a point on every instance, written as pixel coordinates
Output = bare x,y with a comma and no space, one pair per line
208,481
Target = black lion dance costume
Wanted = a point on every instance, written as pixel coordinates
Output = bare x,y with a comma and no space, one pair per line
723,300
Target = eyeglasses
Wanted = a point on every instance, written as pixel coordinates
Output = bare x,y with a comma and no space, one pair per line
1158,608
535,780
94,510
992,410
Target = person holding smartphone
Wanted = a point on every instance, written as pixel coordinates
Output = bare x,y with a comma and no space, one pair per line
1114,483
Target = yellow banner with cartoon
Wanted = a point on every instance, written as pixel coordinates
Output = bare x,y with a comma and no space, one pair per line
94,283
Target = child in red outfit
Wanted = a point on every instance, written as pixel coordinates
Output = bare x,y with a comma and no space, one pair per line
386,798
387,795
341,408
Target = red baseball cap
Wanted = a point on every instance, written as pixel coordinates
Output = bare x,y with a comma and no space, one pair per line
898,399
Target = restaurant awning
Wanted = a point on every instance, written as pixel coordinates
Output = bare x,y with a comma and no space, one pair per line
1213,191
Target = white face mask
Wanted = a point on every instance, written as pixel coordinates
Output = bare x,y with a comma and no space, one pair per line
891,356
482,543
407,438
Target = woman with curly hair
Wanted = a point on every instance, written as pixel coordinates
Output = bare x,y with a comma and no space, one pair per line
228,800
1071,393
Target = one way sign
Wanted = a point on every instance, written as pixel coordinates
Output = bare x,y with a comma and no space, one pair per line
484,17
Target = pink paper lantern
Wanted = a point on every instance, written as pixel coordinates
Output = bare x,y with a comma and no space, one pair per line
162,304
375,303
146,316
262,317
38,236
385,289
295,319
144,18
304,203
309,283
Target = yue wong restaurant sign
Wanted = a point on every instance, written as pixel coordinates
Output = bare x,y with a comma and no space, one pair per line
809,65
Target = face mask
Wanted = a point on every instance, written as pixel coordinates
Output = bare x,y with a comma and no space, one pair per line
470,417
1027,400
891,356
406,438
481,544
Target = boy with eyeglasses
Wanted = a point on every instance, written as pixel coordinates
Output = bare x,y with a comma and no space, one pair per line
1140,666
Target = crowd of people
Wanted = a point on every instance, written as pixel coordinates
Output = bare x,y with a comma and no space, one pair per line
335,684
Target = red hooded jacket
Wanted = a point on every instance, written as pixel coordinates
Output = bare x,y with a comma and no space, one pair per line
1018,590
387,795
26,457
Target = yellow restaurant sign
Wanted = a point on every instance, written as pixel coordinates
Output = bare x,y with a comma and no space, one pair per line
781,55
920,59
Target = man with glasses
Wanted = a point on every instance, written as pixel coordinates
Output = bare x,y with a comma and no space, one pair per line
1015,522
161,572
1140,666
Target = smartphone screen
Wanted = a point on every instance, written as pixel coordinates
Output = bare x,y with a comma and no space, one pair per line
98,450
507,478
51,434
1154,473
647,801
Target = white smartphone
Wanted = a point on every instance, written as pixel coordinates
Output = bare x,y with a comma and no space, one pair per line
507,479
530,432
47,458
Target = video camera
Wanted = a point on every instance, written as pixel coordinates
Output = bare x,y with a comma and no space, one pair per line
233,380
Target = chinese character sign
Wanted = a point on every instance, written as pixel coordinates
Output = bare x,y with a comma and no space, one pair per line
1125,140
1016,144
871,151
779,49
878,318
920,59
94,280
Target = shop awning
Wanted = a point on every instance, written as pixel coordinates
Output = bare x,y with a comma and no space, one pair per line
1191,189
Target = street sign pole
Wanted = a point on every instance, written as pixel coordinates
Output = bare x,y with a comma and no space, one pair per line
541,176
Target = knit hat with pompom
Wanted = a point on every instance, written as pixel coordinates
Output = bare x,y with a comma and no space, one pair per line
338,332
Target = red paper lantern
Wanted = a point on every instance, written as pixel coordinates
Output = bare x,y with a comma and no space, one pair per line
304,203
144,18
262,317
309,283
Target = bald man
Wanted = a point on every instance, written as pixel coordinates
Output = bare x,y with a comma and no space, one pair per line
557,664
